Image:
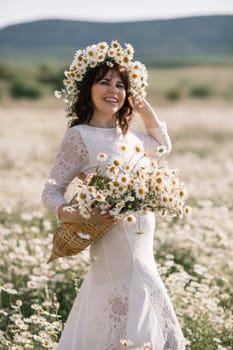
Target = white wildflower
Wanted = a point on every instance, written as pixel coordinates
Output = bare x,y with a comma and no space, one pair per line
101,157
130,219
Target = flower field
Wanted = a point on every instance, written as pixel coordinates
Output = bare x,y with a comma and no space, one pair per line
194,254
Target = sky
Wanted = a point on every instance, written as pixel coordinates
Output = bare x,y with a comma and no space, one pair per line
18,11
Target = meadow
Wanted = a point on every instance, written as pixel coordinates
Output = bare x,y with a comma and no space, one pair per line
194,255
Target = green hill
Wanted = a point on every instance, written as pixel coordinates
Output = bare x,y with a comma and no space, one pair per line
184,39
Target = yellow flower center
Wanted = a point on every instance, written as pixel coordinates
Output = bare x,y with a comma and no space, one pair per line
112,169
126,59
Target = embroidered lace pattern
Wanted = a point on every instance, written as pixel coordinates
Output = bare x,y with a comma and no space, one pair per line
165,313
118,305
71,158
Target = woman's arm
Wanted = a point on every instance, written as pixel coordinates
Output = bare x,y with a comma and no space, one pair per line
155,128
71,157
147,114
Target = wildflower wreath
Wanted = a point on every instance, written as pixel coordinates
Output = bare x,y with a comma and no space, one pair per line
122,187
96,55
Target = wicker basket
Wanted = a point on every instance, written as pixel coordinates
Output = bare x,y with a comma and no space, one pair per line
71,238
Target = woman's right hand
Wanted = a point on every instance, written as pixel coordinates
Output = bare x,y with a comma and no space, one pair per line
67,213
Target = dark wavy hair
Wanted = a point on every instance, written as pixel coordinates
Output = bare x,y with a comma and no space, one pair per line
83,106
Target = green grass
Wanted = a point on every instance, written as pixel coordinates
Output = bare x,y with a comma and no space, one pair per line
165,84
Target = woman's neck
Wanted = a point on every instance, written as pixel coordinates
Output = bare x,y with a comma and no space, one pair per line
99,121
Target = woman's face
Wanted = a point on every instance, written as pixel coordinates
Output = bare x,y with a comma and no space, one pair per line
108,94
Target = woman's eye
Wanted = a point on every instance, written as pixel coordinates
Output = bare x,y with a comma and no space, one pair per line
118,86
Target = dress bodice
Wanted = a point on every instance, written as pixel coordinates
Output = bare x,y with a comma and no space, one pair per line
78,154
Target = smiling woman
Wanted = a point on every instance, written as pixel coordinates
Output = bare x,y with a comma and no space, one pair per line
122,300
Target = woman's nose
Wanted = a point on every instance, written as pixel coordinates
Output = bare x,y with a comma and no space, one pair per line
112,88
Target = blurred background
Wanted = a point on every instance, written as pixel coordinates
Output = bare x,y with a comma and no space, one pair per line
188,49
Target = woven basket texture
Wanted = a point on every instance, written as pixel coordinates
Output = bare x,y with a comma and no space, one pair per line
71,238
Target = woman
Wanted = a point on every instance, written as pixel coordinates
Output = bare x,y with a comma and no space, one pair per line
122,296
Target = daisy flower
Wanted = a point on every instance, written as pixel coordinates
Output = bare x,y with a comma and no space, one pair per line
117,162
140,192
101,157
85,213
138,148
58,94
183,194
124,179
99,197
161,151
123,147
187,211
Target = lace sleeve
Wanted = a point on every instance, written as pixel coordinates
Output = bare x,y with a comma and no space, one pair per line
72,156
160,134
156,137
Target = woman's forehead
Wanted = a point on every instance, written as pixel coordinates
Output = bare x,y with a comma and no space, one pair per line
112,74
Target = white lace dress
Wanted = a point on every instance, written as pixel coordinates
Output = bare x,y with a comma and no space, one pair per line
122,296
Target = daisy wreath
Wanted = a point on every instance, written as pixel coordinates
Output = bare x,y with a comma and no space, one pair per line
98,54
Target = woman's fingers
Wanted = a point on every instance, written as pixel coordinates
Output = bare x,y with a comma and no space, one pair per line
101,217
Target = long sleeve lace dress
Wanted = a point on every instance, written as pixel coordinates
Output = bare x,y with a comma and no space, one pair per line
122,296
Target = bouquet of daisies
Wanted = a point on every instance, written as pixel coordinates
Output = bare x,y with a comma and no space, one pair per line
124,186
121,186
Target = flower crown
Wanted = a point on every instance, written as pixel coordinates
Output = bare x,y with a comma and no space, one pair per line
98,54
